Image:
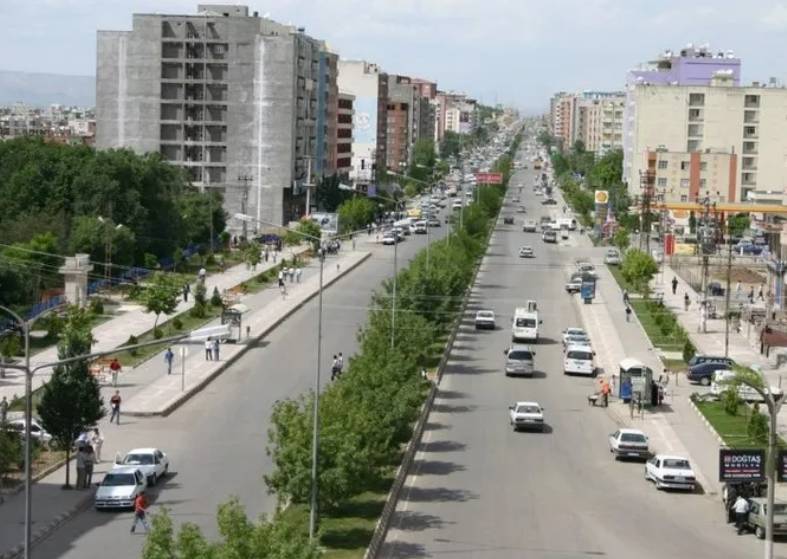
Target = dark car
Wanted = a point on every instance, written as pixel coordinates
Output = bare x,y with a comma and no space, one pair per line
702,369
549,202
508,220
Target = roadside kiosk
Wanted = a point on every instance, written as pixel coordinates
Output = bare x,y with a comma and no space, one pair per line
636,381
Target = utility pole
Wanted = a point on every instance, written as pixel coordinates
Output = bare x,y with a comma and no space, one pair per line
727,292
646,180
245,179
393,301
308,185
316,419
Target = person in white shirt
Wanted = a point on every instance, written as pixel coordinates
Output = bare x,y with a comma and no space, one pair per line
741,508
208,350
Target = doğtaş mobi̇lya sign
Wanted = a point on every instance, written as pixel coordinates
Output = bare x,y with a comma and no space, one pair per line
741,465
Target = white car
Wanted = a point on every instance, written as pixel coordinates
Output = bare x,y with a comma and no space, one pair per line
579,360
612,257
670,472
37,432
485,319
577,340
629,443
456,205
574,331
390,238
153,463
586,268
529,226
120,488
526,252
526,415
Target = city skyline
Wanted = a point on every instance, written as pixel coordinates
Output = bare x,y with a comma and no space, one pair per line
513,51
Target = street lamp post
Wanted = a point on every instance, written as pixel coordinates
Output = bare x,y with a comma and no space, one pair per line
28,372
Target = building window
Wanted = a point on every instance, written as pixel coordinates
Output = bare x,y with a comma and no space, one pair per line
684,165
684,198
662,181
696,99
703,165
663,164
684,183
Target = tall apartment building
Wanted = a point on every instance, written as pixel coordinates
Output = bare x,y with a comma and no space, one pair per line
398,120
367,84
600,122
243,103
563,110
721,118
682,176
343,154
693,66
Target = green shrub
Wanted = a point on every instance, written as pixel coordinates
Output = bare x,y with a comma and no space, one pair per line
158,333
731,401
757,428
210,260
198,310
215,298
177,323
132,340
96,306
688,350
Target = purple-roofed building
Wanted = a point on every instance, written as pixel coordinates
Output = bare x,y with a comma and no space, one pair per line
691,66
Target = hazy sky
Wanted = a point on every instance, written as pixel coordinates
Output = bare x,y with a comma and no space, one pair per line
510,51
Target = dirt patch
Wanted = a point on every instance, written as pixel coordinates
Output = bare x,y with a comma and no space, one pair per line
743,275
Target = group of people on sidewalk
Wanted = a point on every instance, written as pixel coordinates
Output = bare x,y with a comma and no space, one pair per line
337,366
212,347
88,455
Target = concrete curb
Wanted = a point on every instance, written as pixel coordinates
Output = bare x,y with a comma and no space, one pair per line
190,392
707,423
45,531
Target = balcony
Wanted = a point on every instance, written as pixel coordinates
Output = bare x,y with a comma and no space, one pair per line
696,99
750,117
171,50
695,115
749,148
695,130
749,164
750,132
751,102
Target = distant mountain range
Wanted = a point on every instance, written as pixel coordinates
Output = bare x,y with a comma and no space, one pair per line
46,89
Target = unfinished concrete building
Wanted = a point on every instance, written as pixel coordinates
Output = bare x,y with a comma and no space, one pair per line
245,104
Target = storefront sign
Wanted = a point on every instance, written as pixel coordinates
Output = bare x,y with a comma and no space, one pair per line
741,465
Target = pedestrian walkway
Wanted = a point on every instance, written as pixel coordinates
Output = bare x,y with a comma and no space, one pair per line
133,320
148,390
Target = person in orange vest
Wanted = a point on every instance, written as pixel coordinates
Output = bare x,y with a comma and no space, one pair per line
140,510
605,390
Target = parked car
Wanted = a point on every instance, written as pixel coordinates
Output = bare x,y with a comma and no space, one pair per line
628,443
153,463
433,222
549,202
702,367
746,246
526,415
757,518
119,488
485,319
670,472
612,258
526,252
37,432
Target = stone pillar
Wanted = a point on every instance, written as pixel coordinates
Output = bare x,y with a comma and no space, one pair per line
75,270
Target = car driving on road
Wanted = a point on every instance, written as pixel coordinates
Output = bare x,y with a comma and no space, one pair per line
574,285
670,472
119,488
526,252
612,258
485,319
529,226
519,360
579,360
526,415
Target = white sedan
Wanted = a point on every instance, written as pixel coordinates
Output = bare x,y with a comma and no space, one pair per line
153,463
526,252
526,415
568,332
670,472
629,443
485,319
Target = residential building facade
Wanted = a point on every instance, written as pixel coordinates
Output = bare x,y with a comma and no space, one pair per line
343,153
683,176
243,103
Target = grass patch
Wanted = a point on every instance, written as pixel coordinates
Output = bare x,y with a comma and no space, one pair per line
731,428
618,275
675,365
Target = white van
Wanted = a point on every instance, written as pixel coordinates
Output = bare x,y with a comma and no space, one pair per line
525,325
579,360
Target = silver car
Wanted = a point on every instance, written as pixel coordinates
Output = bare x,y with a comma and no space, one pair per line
520,360
120,488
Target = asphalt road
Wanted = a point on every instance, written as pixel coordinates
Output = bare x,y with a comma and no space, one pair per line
479,489
217,440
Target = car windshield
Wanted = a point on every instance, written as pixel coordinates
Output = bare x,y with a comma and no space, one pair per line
676,463
138,459
575,332
581,355
632,438
526,322
117,480
520,355
527,409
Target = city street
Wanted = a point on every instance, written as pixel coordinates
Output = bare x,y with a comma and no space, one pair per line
216,441
479,489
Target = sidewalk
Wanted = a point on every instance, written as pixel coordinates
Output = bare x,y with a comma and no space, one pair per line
148,390
133,320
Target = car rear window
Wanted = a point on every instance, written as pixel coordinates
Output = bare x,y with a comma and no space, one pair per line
632,438
676,464
527,409
581,355
520,355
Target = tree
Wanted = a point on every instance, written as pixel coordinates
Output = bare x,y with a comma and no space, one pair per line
738,224
306,230
638,268
161,296
329,195
451,144
356,214
71,401
621,239
252,255
94,237
198,211
10,451
200,300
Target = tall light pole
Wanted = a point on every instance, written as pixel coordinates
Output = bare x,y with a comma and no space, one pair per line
109,232
393,301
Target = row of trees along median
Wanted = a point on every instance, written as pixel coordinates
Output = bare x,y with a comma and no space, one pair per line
367,416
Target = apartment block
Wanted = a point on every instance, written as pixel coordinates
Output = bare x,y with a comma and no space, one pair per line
683,176
366,83
746,122
243,103
398,121
690,66
343,153
600,123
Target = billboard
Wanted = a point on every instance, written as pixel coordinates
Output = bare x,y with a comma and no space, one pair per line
741,464
601,198
328,222
489,178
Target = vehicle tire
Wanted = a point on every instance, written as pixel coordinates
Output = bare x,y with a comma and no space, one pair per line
152,480
759,531
705,381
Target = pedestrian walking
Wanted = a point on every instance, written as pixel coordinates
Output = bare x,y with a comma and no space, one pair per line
186,291
605,390
81,459
298,273
97,441
275,256
114,404
114,367
90,460
140,511
281,277
686,301
283,289
202,274
751,295
168,357
760,296
353,243
674,285
738,289
335,368
208,350
741,508
340,363
291,273
628,313
3,410
625,297
337,267
216,350
266,254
